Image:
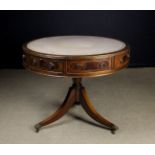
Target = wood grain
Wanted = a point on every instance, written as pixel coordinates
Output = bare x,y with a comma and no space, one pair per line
75,66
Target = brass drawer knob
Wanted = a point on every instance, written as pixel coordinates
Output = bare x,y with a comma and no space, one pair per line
80,66
34,61
51,66
103,65
24,56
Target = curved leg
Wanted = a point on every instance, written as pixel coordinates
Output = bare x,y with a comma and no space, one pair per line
68,102
91,111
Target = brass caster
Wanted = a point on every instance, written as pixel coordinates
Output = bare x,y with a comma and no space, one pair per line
37,127
113,129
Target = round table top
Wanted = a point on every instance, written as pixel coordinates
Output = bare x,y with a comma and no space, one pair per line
75,45
75,56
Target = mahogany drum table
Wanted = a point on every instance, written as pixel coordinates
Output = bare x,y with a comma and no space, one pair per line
76,57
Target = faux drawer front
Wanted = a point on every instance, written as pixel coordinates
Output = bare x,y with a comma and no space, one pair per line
121,60
84,66
42,64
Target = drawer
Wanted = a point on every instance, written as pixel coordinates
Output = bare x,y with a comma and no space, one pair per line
44,64
86,65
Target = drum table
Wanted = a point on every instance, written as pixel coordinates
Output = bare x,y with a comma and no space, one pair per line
76,57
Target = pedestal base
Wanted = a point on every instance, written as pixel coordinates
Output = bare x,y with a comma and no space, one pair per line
77,95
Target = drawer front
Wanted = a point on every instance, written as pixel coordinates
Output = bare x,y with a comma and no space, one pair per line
121,60
43,64
84,66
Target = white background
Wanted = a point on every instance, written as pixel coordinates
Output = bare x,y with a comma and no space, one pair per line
77,4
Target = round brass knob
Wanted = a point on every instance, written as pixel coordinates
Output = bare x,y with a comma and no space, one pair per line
34,61
80,66
51,66
103,64
23,56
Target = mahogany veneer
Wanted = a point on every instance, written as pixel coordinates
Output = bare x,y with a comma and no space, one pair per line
76,67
